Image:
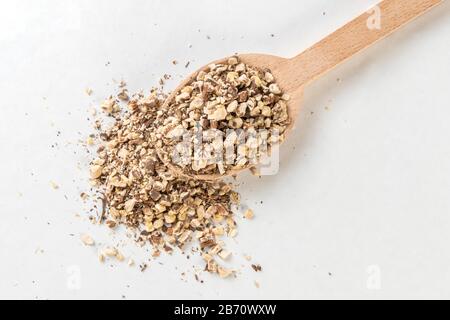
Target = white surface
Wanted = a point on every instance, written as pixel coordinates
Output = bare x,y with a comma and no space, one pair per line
363,186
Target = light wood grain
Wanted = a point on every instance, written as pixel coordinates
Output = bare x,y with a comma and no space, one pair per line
354,37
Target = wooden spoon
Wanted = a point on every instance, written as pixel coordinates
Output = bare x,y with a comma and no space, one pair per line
292,75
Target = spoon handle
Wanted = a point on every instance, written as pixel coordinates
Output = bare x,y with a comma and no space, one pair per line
374,25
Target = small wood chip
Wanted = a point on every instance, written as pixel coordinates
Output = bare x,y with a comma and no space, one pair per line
54,185
87,240
224,273
96,171
110,252
111,224
249,214
123,95
256,267
224,254
90,141
119,257
233,233
219,231
207,257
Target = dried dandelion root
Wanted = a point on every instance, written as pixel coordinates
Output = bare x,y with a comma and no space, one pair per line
142,193
236,110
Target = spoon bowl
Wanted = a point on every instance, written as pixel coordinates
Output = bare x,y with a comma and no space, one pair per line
278,67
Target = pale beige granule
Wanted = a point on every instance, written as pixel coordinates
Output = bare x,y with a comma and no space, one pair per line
87,240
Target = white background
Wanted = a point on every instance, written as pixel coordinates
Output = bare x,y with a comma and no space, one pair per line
359,209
